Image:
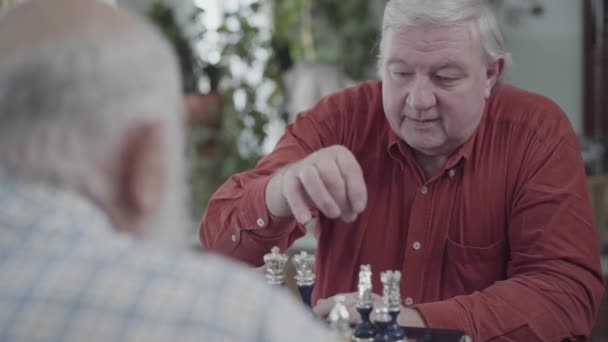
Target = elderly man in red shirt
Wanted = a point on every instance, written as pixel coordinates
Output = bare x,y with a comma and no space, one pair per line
475,190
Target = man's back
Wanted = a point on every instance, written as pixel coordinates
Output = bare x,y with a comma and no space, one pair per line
65,276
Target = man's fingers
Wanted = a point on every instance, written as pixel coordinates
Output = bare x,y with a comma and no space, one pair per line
313,184
295,195
335,184
356,190
323,307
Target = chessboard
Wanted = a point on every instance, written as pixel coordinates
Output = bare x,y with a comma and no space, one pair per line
378,322
431,335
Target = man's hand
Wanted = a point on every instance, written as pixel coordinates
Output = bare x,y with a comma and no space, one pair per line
329,179
407,317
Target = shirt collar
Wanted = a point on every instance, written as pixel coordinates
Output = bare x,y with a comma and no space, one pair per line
41,205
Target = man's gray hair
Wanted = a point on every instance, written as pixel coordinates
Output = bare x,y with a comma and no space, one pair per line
67,103
409,13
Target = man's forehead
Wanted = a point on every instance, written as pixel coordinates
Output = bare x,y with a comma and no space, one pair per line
441,63
430,35
446,45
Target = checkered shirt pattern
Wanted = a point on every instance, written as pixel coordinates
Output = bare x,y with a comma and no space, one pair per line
66,276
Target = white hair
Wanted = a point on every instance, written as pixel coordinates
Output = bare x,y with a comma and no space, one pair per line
411,13
7,4
68,103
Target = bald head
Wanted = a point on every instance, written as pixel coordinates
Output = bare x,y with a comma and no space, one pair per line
90,98
41,21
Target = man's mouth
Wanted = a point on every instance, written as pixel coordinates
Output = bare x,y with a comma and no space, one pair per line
421,120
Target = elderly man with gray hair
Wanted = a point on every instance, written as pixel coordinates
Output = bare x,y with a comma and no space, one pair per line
91,144
474,189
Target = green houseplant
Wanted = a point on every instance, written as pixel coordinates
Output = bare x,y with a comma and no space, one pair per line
204,111
229,142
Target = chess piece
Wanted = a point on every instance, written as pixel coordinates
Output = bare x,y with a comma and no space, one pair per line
364,330
305,277
383,320
275,266
391,290
339,318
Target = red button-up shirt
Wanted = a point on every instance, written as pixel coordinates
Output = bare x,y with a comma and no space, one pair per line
498,243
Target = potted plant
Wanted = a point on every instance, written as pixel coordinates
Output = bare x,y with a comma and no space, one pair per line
203,110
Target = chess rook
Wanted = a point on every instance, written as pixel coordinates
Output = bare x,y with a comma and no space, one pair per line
391,290
305,277
364,330
275,263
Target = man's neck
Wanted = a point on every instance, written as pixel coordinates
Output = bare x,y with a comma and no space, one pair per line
430,164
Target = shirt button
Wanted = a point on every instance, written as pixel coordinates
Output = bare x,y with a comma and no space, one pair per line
233,237
417,245
451,173
260,222
424,190
408,301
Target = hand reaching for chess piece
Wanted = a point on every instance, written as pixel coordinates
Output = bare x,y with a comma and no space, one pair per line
329,179
408,317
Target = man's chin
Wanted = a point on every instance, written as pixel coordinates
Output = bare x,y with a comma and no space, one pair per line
427,148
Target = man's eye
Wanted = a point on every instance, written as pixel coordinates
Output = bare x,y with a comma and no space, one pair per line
402,74
445,79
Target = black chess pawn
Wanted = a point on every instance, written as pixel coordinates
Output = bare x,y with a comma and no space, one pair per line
305,278
382,321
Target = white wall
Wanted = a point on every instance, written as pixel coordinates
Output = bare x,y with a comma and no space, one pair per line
548,55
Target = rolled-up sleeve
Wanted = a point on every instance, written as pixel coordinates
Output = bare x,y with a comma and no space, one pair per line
237,222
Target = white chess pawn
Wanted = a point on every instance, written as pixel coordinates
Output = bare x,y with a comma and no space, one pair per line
339,318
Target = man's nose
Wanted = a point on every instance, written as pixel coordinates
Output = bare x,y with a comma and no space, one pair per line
421,96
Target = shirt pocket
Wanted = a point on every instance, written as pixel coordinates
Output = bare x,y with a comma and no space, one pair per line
468,269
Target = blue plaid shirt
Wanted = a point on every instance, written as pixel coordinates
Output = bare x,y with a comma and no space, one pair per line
66,276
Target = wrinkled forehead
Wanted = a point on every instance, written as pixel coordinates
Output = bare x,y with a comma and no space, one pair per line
432,43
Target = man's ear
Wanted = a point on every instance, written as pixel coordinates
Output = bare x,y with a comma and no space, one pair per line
493,74
142,170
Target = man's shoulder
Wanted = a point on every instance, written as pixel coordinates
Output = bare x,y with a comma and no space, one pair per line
367,92
224,297
530,111
143,291
362,95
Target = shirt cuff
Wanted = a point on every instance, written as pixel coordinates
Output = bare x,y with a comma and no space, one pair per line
255,216
448,314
